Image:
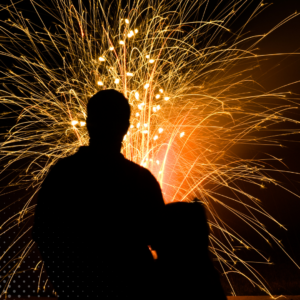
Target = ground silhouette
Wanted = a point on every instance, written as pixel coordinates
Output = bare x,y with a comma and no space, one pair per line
98,212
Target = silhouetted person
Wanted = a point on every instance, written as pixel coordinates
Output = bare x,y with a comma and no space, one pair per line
185,270
97,212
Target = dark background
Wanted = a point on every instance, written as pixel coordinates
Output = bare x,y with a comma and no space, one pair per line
283,206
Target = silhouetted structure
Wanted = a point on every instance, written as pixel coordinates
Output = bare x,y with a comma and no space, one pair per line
185,270
97,212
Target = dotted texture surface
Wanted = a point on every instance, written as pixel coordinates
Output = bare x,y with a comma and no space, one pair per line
25,282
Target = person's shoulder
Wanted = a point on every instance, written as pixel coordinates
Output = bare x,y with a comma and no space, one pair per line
139,169
144,176
63,164
69,160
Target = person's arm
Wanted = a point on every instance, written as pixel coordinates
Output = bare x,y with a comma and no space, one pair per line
156,205
44,216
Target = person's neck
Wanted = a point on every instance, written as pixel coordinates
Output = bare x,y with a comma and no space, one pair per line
105,146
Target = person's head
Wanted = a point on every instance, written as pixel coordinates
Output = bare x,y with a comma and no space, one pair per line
185,229
108,114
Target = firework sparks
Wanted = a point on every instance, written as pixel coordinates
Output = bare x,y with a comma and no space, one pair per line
189,107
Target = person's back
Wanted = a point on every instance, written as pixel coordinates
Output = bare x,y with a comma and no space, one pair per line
184,268
97,213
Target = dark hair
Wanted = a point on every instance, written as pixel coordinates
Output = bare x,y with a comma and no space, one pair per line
109,110
185,225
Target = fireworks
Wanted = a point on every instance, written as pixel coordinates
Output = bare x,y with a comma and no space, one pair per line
191,95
